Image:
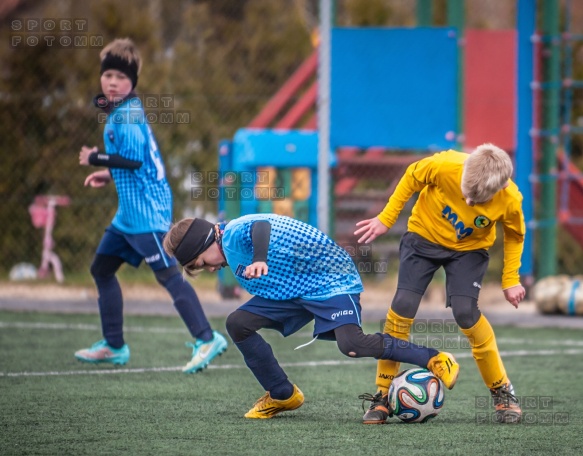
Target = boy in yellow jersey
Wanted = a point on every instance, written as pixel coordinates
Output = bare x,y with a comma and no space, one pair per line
453,224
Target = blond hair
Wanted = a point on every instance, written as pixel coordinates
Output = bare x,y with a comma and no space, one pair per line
173,238
485,172
125,49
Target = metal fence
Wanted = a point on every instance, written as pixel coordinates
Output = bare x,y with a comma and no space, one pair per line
210,66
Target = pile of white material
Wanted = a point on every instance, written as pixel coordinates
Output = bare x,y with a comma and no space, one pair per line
559,295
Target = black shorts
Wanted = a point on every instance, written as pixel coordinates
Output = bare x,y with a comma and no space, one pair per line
419,259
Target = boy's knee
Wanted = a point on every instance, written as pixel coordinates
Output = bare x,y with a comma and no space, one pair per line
231,324
242,324
406,302
352,342
104,266
346,347
236,327
164,275
465,311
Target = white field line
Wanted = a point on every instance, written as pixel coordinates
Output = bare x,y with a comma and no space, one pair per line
64,326
303,334
505,354
90,327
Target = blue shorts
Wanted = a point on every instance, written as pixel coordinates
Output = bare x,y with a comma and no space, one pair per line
293,314
133,248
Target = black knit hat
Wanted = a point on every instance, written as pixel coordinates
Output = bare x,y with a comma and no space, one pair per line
115,62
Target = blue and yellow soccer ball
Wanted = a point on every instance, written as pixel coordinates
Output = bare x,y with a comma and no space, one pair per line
416,396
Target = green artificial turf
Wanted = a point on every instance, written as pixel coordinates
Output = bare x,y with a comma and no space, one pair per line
53,405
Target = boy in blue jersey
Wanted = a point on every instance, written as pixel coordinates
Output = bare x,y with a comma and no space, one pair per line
144,214
297,274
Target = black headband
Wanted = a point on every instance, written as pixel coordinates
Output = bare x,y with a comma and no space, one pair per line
199,237
115,62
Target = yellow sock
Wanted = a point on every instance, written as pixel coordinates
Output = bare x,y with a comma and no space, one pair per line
398,327
485,352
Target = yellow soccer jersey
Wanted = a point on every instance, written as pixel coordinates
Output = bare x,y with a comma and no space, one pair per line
442,216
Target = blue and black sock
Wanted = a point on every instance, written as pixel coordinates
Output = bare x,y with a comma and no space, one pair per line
110,299
406,352
259,358
186,303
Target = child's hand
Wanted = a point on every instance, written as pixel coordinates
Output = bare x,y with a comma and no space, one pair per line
515,294
370,230
84,155
256,270
98,179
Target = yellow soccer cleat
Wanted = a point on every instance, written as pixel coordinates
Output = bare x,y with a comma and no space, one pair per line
444,367
267,407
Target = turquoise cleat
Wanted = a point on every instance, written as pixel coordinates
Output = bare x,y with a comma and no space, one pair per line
204,352
101,352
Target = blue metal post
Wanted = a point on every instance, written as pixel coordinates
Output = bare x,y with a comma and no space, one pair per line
526,23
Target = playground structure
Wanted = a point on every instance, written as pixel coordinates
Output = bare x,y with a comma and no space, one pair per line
43,212
397,94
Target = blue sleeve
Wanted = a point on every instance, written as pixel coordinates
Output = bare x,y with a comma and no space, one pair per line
238,235
131,142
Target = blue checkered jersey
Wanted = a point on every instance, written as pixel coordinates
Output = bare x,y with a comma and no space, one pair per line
144,195
303,262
